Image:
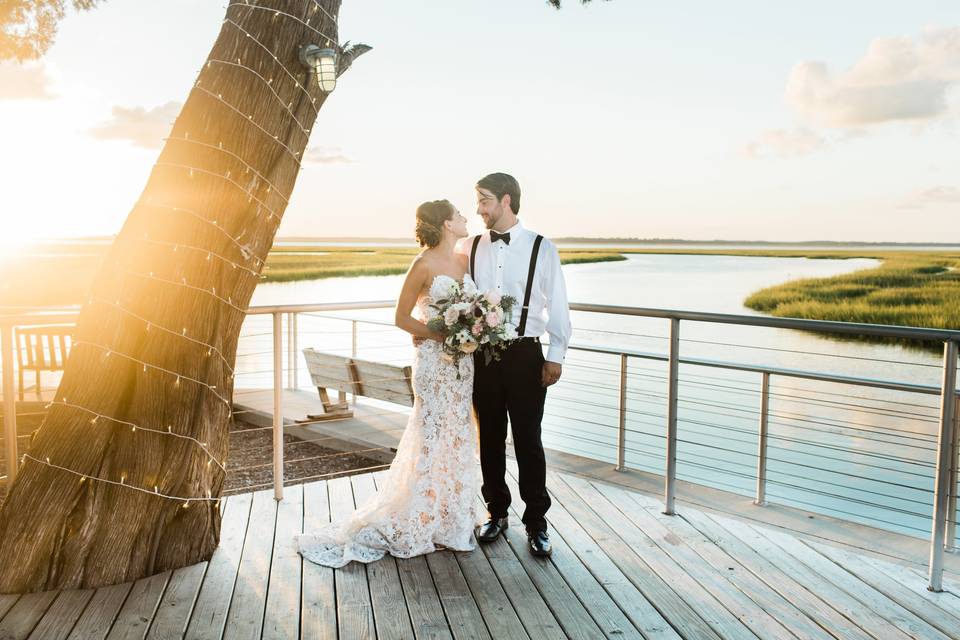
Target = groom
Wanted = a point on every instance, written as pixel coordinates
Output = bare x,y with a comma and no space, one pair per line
515,261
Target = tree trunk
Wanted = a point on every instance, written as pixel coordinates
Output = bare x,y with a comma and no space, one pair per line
123,478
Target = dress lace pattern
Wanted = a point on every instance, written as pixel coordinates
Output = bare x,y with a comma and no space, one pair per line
429,494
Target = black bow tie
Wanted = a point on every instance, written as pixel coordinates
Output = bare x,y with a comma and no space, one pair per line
494,236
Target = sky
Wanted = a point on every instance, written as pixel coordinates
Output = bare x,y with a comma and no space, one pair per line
743,120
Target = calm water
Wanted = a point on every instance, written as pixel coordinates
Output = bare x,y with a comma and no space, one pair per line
853,452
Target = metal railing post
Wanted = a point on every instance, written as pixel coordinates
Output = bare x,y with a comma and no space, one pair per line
9,403
353,351
291,351
941,487
950,543
673,377
622,419
761,498
278,405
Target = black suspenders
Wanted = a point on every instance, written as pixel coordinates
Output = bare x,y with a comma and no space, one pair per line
473,258
530,273
526,295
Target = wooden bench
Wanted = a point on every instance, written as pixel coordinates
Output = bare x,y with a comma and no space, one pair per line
42,348
360,377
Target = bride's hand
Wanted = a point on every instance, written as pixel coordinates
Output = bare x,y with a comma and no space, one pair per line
434,335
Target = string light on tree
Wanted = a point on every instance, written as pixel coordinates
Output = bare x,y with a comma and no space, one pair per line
186,500
323,62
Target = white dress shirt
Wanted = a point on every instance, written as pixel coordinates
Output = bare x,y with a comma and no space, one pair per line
503,268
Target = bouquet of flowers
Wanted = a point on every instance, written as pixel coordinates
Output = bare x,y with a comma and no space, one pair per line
471,320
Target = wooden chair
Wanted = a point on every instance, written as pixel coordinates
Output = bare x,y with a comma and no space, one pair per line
42,348
359,377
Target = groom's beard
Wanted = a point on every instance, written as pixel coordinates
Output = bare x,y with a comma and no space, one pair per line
492,219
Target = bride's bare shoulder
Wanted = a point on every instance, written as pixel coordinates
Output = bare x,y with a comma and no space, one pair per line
421,267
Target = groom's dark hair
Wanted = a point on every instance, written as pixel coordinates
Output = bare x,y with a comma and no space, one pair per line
500,184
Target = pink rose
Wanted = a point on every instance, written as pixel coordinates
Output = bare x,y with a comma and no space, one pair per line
476,329
493,319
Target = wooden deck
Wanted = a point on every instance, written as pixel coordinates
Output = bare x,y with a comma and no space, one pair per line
620,569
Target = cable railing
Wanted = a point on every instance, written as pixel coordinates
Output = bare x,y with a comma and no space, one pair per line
874,450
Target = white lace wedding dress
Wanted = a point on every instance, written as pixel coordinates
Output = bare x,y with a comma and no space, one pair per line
429,495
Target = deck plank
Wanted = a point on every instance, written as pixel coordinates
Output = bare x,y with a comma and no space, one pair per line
462,612
925,607
173,614
498,614
948,600
390,613
133,621
245,617
791,586
281,619
620,569
691,547
25,614
495,607
318,615
579,602
865,617
423,602
870,597
354,607
725,623
62,615
752,614
652,586
634,605
7,601
97,618
537,618
209,613
461,609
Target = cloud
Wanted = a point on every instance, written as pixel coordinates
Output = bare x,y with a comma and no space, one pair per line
143,127
24,82
898,78
784,143
931,196
325,155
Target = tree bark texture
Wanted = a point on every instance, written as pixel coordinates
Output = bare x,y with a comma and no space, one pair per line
151,367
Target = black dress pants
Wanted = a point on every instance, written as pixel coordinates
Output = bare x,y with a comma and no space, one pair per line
511,387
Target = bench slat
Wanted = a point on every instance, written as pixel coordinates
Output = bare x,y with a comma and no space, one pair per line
376,380
329,371
385,382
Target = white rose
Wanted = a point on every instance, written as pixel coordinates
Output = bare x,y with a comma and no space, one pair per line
469,287
492,297
450,316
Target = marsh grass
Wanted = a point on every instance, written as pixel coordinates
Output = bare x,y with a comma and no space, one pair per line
906,289
378,262
61,275
920,289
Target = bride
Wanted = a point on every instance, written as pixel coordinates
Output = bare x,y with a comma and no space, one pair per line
429,498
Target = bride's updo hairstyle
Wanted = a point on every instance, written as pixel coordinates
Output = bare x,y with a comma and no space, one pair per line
430,219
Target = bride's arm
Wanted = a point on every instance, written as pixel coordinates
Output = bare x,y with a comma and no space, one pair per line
416,278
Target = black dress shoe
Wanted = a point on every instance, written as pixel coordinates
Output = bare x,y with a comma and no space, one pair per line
539,543
491,529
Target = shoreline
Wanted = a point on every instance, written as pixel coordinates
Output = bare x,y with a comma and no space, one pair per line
907,288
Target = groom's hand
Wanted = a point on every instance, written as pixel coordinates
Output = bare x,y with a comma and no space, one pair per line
550,373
